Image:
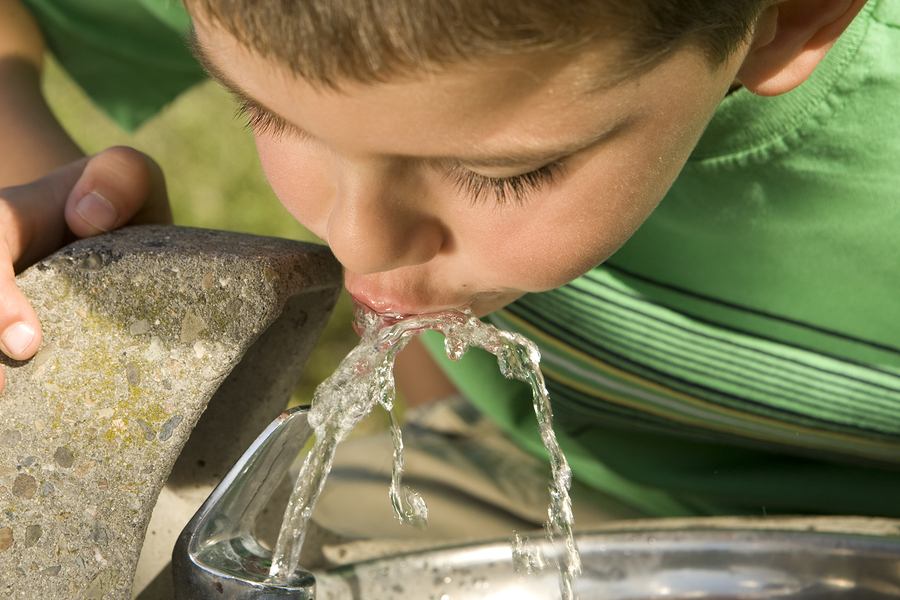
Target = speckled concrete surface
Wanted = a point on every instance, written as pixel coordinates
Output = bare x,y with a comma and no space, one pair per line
141,328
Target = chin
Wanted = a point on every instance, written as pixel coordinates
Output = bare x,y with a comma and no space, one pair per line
484,304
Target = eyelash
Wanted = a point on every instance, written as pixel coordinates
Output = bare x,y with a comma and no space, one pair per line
259,120
505,189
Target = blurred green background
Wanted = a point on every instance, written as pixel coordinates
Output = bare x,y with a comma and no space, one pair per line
214,181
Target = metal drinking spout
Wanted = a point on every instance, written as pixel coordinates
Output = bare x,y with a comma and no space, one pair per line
217,555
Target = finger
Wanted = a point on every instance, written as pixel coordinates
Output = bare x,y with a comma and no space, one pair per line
20,329
119,186
31,216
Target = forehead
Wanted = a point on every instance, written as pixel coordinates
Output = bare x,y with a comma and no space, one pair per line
476,107
330,41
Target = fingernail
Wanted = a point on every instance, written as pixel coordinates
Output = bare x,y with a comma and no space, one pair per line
17,338
98,211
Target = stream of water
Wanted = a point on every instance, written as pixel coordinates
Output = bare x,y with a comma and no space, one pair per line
365,379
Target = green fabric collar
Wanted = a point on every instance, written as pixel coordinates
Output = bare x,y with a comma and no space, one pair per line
747,123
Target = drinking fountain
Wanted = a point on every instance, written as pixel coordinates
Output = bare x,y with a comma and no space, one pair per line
166,342
736,558
145,330
218,555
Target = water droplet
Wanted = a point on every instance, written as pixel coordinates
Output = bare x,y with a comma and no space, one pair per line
362,367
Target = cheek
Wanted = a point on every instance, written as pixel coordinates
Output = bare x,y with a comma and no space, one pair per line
572,230
300,179
613,193
538,252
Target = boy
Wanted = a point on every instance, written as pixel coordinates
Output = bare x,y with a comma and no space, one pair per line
738,354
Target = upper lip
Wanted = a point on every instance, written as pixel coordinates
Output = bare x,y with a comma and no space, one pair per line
401,309
371,294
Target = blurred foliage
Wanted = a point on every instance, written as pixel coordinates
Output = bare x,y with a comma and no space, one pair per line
214,181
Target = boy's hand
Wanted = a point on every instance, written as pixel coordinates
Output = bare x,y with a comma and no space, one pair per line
93,195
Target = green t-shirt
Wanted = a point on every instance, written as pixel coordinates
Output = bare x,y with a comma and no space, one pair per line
740,354
129,56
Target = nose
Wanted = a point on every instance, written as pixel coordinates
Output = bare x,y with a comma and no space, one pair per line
381,220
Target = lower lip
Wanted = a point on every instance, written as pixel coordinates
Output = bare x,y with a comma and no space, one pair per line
386,319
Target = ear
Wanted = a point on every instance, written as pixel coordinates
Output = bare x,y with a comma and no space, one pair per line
790,39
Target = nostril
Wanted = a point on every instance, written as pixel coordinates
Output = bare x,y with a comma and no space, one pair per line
386,245
381,218
431,241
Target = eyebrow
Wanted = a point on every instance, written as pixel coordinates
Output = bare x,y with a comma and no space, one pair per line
199,52
203,57
539,156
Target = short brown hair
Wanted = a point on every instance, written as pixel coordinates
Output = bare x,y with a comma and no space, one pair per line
328,41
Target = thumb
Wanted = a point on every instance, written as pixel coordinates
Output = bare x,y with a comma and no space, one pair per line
20,329
119,186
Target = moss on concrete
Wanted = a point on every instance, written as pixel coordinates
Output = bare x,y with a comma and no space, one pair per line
141,329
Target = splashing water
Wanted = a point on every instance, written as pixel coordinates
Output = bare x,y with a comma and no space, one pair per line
365,378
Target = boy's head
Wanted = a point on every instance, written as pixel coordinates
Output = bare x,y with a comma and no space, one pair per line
468,151
360,40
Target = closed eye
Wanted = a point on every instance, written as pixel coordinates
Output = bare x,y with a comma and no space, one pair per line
504,190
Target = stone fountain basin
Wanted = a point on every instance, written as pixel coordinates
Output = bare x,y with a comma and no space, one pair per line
718,563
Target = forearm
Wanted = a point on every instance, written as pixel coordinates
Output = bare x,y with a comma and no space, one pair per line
32,142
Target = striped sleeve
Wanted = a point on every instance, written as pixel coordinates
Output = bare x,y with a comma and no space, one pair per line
615,357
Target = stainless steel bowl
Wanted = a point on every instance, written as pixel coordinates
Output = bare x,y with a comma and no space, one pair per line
218,555
720,564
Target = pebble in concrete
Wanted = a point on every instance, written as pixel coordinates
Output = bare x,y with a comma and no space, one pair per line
142,329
